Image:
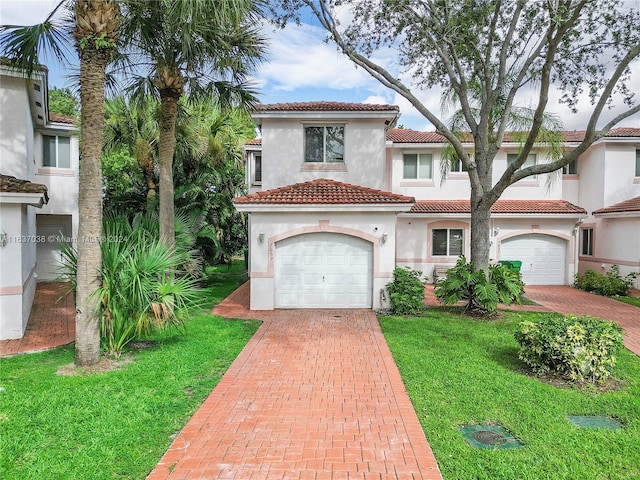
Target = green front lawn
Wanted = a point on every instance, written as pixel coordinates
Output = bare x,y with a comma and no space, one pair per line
114,424
461,371
630,300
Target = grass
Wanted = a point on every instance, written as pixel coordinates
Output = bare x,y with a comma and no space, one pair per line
462,371
630,300
115,424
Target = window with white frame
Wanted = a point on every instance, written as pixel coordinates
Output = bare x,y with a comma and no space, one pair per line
56,151
457,166
417,166
586,242
529,162
324,144
447,242
571,169
257,168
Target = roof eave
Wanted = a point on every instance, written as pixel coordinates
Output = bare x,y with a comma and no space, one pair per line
630,214
323,207
34,199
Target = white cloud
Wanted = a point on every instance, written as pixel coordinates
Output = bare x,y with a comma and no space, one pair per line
299,59
25,12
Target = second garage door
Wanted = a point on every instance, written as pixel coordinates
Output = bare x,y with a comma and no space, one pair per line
323,270
543,258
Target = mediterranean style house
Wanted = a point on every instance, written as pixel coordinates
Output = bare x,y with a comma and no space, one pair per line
338,197
38,193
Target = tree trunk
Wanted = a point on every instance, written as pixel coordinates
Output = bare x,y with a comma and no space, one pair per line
167,142
93,63
480,232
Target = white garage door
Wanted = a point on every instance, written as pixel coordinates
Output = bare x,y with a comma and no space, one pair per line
543,258
323,270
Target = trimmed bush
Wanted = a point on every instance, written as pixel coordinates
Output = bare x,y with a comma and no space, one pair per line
578,348
406,292
608,284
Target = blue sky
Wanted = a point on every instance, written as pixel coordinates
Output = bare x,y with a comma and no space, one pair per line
302,67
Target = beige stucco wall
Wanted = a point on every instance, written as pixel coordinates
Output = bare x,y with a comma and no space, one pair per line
369,226
17,269
414,239
283,153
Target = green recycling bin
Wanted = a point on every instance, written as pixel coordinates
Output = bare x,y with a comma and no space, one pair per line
513,265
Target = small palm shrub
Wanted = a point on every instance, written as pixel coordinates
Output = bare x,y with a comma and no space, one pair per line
406,292
144,283
577,348
608,284
482,292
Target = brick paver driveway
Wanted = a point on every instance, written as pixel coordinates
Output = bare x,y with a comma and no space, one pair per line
568,300
314,395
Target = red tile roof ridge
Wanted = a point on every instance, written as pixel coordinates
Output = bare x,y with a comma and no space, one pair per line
630,205
324,191
323,106
501,206
57,118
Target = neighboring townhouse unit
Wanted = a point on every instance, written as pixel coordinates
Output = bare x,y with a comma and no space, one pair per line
338,197
38,194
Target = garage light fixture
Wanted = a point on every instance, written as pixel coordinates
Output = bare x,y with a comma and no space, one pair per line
3,239
383,239
261,237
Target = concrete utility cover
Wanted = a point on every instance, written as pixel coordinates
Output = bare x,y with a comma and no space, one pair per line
594,421
491,437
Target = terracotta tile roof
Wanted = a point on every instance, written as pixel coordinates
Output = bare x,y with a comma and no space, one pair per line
631,205
9,184
54,117
500,207
254,141
325,107
400,135
323,191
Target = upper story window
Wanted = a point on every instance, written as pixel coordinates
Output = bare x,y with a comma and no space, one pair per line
586,242
447,242
417,166
571,169
56,151
324,144
257,172
457,166
638,162
529,162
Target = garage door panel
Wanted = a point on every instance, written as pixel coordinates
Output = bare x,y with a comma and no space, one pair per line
323,270
543,258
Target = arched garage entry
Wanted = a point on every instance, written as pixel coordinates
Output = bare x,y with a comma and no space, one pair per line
323,270
543,257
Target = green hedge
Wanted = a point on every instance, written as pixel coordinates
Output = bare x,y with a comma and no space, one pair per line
578,348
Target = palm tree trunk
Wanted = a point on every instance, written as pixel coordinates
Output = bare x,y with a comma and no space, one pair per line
93,63
166,147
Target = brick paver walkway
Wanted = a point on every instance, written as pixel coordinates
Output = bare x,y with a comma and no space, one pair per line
52,323
314,395
568,300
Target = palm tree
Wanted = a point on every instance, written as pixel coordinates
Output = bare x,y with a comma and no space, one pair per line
133,124
94,27
204,48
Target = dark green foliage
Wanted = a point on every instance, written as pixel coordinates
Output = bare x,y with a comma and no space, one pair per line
406,292
482,292
609,284
578,348
63,102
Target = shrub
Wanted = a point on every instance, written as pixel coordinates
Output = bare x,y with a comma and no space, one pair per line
608,284
482,292
578,348
406,292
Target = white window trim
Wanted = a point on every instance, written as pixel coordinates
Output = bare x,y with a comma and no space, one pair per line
324,143
417,178
448,254
56,166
